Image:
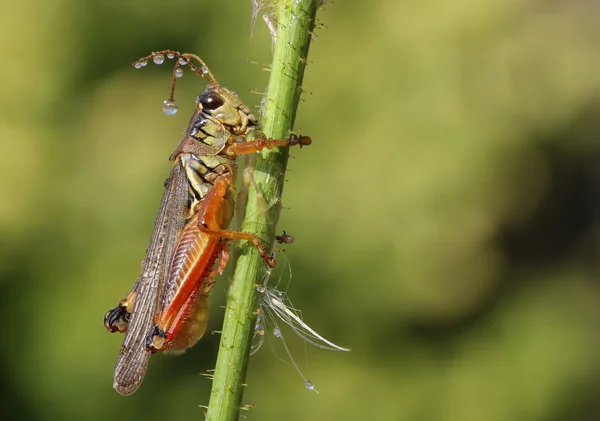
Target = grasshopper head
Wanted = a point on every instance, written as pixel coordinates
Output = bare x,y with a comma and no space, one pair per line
226,107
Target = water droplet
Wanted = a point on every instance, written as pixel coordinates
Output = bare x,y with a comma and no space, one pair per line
178,72
158,59
143,63
205,70
260,331
182,61
261,288
137,65
170,56
309,385
169,106
277,332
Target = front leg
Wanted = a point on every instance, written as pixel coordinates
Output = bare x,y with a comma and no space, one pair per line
257,145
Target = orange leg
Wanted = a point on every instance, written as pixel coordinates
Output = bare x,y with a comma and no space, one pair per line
210,218
219,269
252,146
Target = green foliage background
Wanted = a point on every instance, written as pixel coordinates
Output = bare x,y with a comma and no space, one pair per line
446,216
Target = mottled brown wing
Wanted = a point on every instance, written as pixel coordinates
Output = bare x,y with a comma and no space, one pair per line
133,359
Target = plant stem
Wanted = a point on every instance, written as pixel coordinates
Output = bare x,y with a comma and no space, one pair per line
295,22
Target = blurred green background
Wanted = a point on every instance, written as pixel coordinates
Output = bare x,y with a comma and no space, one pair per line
447,215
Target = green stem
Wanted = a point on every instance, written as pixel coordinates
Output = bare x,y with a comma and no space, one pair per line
295,21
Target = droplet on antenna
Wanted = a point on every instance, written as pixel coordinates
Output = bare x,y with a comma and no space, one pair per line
309,385
143,63
261,288
170,56
178,72
277,332
204,70
170,107
158,59
182,61
138,65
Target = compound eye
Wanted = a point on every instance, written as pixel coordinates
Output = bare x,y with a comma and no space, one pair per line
210,100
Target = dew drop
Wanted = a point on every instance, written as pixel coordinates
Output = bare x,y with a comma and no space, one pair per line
261,288
182,61
138,65
169,106
170,56
260,331
204,70
309,385
277,332
158,59
143,63
178,72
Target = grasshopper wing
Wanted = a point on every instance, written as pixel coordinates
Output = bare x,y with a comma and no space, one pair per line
133,358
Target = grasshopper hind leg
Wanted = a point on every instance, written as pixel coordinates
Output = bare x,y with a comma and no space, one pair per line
117,319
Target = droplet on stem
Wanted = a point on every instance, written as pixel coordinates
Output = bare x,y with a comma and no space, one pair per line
158,59
170,106
277,332
178,72
170,56
182,61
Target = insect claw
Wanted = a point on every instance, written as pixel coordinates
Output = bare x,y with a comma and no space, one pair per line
271,261
155,340
300,140
116,320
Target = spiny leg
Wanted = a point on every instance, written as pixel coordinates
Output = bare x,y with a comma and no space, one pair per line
219,269
210,219
263,207
236,235
257,145
249,147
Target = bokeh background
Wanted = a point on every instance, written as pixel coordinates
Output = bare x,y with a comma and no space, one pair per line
447,216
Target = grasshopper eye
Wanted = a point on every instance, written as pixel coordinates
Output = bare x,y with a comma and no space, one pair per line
210,100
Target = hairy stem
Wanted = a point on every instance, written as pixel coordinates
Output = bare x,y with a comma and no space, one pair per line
295,22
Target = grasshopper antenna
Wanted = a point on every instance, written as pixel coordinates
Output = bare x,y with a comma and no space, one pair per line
170,106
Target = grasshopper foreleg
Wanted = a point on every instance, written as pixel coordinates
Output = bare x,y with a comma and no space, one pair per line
257,145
